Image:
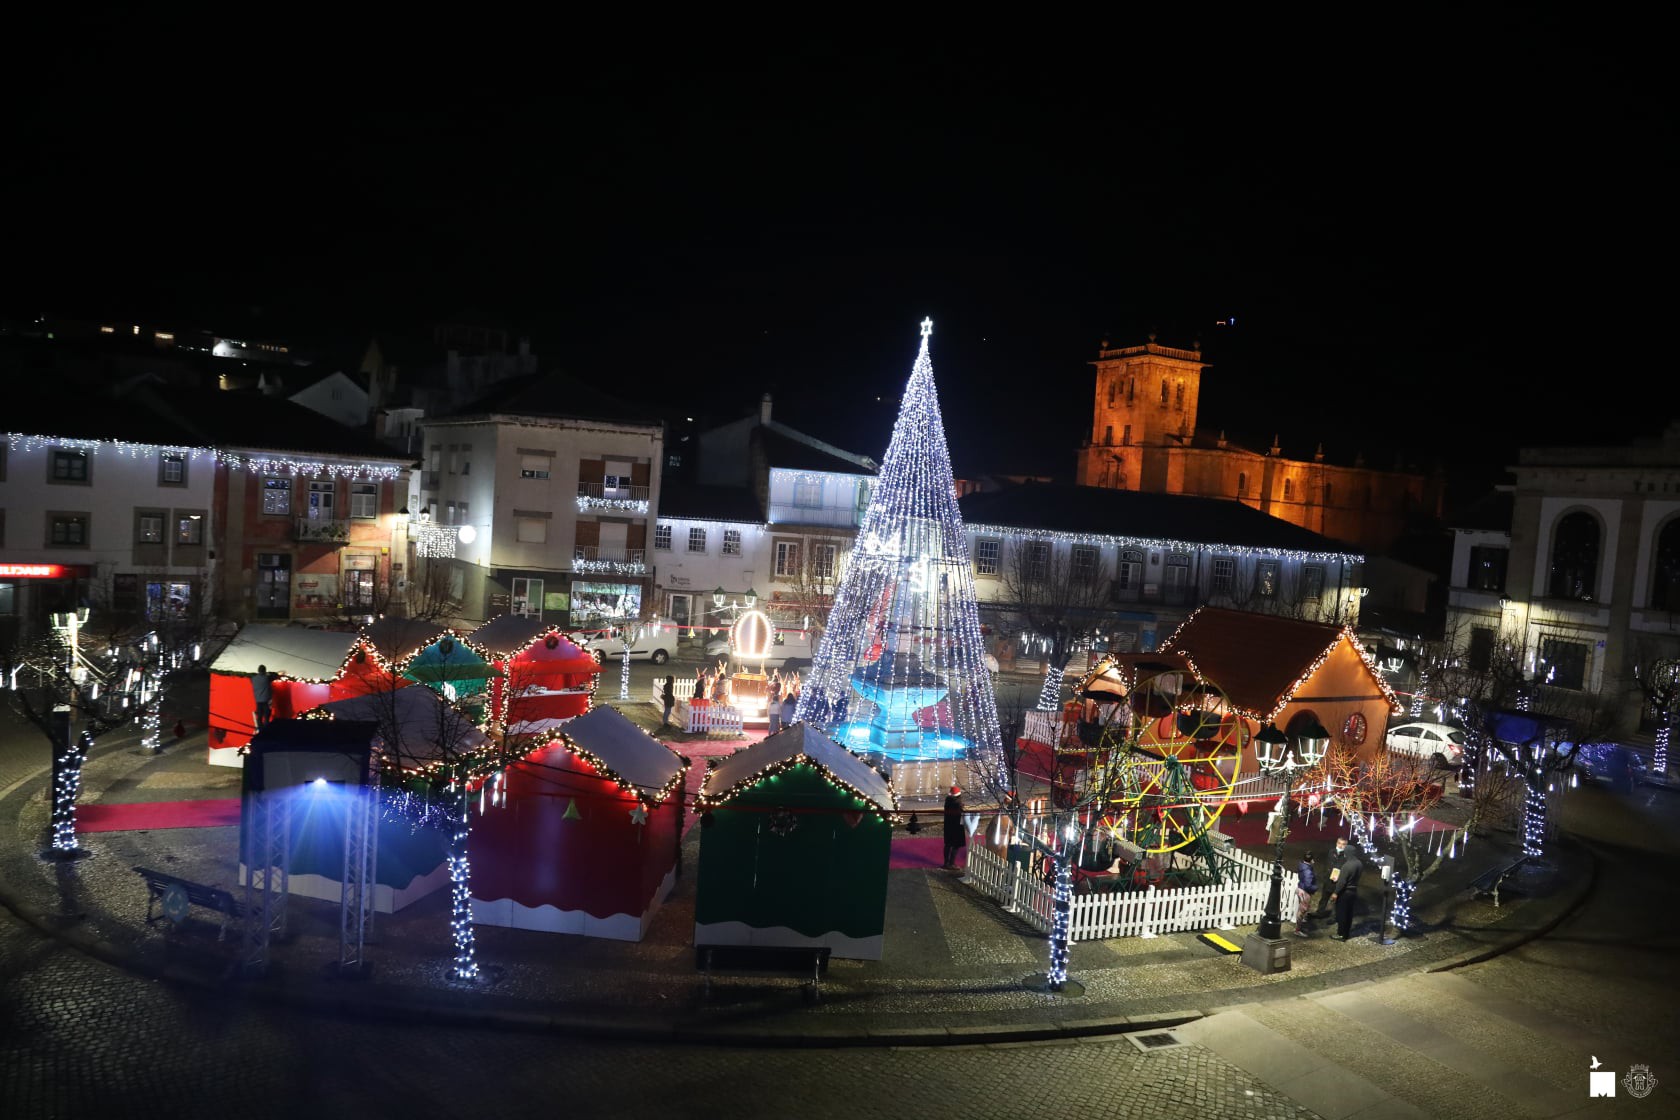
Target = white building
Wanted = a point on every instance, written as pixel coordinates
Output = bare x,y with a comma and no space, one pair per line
1576,565
540,498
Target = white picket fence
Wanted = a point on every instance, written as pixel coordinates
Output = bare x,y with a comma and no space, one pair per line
1238,901
704,719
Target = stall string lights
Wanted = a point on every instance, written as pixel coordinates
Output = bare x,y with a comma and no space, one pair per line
1344,634
712,799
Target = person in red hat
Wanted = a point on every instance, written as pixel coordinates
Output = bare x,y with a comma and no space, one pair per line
956,835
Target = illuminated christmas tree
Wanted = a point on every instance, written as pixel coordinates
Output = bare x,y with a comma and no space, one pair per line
900,675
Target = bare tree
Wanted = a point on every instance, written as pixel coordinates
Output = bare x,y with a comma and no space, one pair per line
432,753
809,597
1387,793
432,592
1063,598
1656,671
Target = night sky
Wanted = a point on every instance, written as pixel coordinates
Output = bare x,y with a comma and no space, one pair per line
1423,231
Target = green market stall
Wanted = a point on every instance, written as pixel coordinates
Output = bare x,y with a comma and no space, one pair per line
794,845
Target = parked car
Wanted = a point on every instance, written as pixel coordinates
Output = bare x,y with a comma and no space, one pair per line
791,650
1443,742
1611,764
654,643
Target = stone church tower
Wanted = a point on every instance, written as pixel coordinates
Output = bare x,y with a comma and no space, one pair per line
1144,437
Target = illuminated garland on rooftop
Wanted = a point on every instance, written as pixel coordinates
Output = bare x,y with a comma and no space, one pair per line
713,799
1288,696
257,464
1161,544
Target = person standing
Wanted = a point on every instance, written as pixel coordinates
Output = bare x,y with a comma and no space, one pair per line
1338,854
956,834
262,691
1307,882
670,698
700,687
773,706
1346,894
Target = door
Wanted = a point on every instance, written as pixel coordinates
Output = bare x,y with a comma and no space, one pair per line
527,597
274,585
358,590
321,500
679,612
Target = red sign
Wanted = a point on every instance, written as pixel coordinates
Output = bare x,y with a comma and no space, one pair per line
40,571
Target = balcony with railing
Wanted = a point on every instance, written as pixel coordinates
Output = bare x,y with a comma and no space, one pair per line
322,530
610,560
598,495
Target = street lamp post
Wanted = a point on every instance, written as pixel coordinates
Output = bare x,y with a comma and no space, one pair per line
1266,950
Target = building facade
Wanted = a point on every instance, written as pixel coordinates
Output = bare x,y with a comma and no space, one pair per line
540,502
1144,437
1577,570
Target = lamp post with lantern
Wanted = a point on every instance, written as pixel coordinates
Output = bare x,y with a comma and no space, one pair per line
1288,757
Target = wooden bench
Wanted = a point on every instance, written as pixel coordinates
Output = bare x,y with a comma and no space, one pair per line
1490,881
796,960
162,886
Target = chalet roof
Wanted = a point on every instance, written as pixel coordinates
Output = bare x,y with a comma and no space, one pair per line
708,503
397,639
555,395
840,766
790,449
1097,511
625,749
1255,659
418,725
508,634
287,651
252,421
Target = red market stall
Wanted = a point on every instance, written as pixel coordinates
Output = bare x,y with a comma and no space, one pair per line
304,664
582,835
544,680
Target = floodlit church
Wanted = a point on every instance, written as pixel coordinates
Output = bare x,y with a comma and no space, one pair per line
1144,437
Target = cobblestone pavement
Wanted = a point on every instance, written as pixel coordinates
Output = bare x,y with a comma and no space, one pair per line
81,1039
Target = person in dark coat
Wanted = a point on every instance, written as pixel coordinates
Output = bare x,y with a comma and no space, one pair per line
956,833
262,692
1345,893
670,698
1307,878
1338,854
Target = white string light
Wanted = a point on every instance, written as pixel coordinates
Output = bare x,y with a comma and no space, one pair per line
904,633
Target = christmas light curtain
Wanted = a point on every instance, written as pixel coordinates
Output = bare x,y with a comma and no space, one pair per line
900,674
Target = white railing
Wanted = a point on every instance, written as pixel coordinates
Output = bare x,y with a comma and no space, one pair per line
1043,727
705,718
1239,900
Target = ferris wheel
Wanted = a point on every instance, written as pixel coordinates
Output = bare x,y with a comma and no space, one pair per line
1166,763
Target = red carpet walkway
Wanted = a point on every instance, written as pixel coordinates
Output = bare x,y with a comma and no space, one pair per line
141,815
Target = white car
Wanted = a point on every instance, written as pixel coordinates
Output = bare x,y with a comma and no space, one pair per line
1441,741
655,643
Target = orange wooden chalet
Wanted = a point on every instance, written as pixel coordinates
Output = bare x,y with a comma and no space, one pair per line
1287,671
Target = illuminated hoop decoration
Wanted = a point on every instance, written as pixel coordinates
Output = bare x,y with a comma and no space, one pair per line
751,636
